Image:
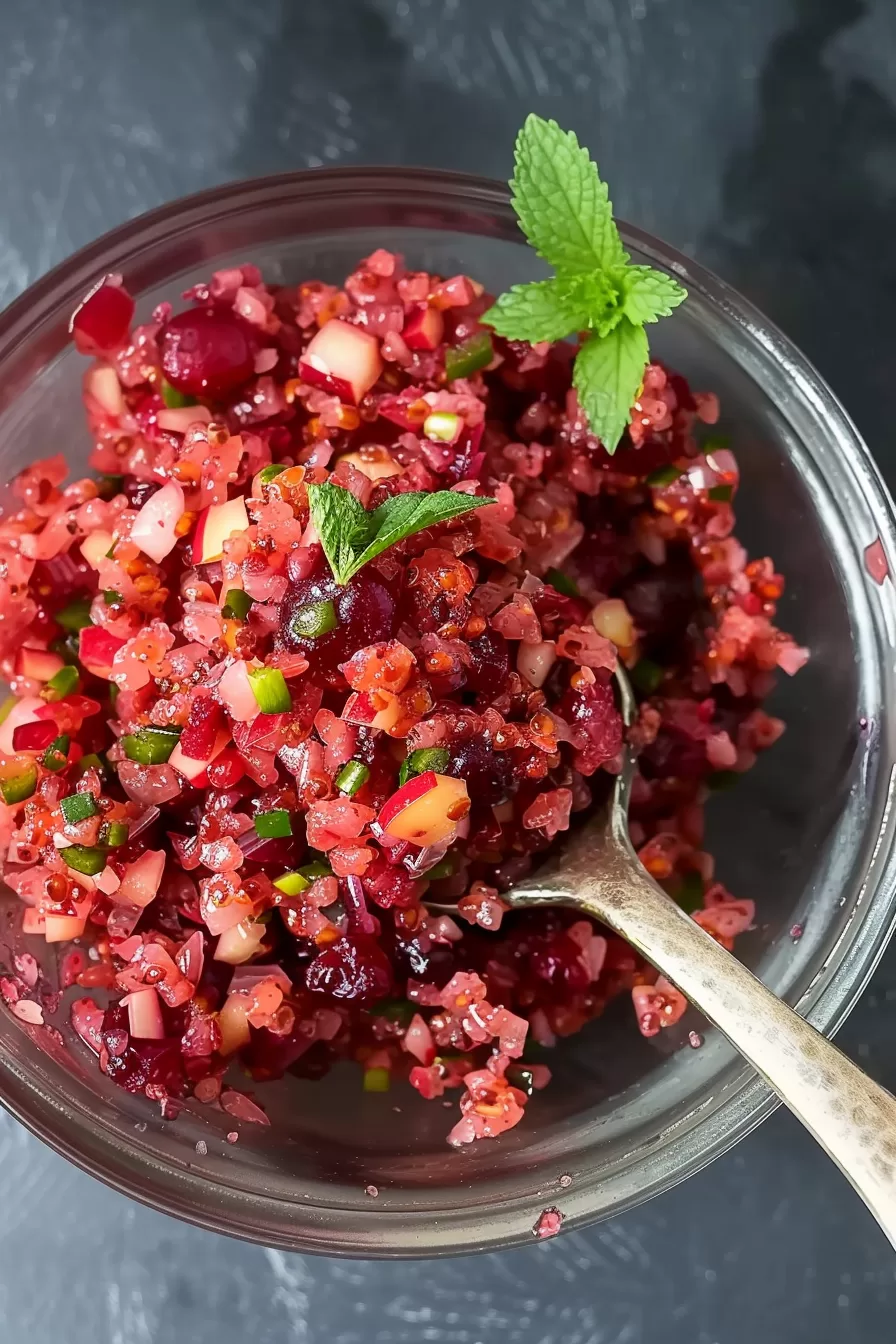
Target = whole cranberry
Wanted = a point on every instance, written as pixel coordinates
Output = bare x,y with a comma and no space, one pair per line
490,663
362,612
206,353
488,773
352,969
663,601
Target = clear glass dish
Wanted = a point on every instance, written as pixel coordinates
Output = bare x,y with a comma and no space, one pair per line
809,834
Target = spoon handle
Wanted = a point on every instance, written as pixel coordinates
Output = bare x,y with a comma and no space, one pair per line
852,1118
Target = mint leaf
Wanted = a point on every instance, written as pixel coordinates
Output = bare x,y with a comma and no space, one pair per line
550,310
342,523
403,515
352,537
546,310
562,205
607,377
649,294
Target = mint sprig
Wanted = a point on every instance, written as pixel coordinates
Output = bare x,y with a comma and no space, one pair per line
352,537
564,210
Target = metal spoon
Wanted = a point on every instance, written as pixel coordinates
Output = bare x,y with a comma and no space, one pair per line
599,874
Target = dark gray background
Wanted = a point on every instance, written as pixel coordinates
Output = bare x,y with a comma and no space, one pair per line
759,135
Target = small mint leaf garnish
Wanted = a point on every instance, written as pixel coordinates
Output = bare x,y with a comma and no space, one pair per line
607,377
649,294
564,210
562,205
351,537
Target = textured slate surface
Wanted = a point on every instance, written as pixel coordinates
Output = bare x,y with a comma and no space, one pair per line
759,135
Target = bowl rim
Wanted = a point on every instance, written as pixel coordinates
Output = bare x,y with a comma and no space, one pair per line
334,1230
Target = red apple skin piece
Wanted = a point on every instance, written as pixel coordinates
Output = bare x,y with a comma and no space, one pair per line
424,328
419,810
97,650
216,523
360,708
343,360
40,664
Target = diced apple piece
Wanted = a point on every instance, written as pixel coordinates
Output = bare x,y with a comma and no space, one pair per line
424,328
379,470
379,709
191,769
236,694
39,664
216,524
97,649
233,1021
96,547
153,530
142,878
178,419
24,711
63,928
342,359
240,943
426,809
144,1014
34,921
101,383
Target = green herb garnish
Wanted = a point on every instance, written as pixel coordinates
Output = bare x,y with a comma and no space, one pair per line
268,474
471,355
87,859
114,834
663,476
292,884
562,583
19,787
174,399
646,676
78,807
689,893
313,620
76,616
564,210
352,537
237,605
353,776
62,683
55,757
149,746
270,690
273,825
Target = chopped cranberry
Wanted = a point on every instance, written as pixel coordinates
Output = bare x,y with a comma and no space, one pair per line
206,353
558,961
390,885
490,663
489,774
674,755
201,731
102,322
133,1064
593,709
663,601
354,969
365,611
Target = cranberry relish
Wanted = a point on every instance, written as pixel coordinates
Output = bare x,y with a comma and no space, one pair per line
230,785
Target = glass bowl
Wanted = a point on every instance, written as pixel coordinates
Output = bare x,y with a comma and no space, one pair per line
808,834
